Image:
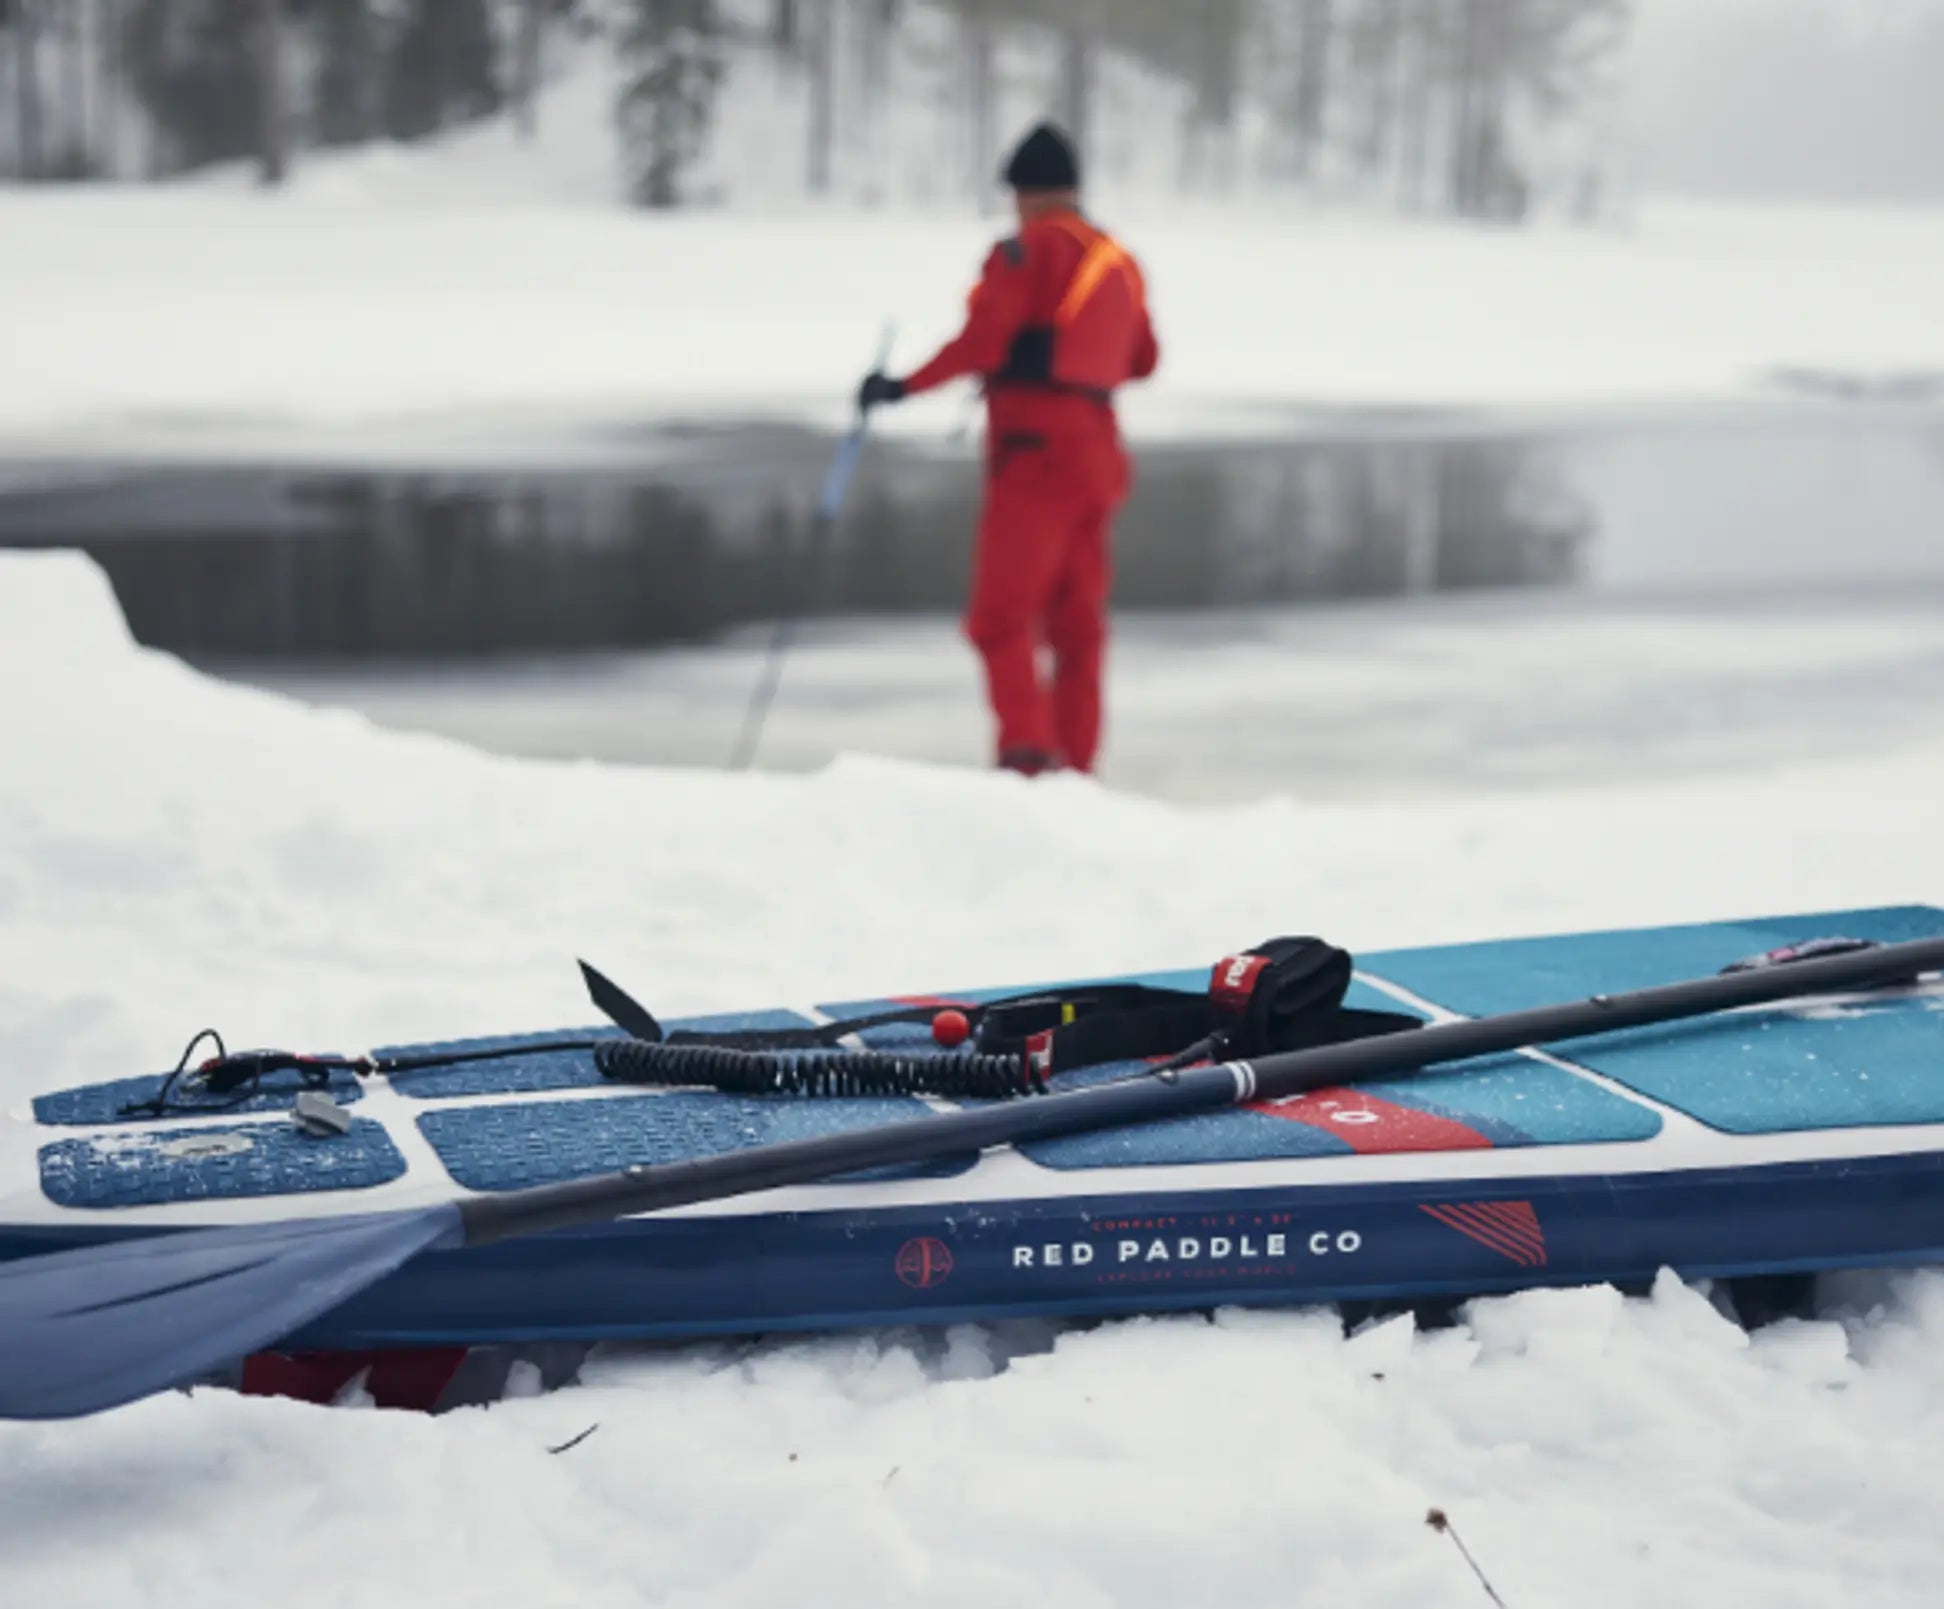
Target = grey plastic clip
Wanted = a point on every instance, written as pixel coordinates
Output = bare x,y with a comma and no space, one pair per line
317,1115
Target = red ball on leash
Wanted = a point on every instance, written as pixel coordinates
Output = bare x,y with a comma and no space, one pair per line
951,1028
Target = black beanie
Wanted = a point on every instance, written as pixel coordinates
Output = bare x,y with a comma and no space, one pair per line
1045,160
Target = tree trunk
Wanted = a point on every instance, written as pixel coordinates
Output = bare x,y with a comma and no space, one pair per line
1385,27
526,68
273,122
875,41
1076,71
822,48
982,94
1420,50
27,65
786,29
1462,185
1314,37
108,87
77,152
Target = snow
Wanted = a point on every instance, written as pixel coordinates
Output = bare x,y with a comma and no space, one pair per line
174,850
1402,699
202,318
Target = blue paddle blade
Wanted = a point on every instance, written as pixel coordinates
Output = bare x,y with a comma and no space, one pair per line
89,1329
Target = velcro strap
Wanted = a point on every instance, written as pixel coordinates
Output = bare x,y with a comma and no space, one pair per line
1292,996
1285,994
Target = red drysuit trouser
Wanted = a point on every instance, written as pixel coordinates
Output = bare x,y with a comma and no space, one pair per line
1041,577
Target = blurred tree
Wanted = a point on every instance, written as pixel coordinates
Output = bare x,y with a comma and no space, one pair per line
1542,55
108,87
191,64
273,120
876,35
1315,39
1417,42
349,55
1376,37
22,19
444,68
819,22
671,58
786,29
1080,35
74,156
981,45
528,45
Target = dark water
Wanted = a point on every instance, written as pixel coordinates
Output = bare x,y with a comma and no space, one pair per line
262,561
671,535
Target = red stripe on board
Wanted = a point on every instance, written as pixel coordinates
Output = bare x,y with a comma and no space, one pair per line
1487,1216
1519,1220
1368,1124
1488,1226
1472,1232
1510,1228
1452,1219
927,1002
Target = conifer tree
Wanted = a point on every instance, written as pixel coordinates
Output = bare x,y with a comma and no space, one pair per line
671,52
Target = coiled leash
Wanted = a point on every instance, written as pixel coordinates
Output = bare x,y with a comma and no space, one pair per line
1286,994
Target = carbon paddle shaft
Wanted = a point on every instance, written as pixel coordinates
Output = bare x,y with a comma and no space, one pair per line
830,506
1151,1096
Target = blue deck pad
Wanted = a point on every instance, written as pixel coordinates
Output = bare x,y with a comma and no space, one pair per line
536,1070
1503,1101
214,1164
106,1103
1880,1061
509,1146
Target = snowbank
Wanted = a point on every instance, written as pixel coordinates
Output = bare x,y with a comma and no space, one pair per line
174,851
198,318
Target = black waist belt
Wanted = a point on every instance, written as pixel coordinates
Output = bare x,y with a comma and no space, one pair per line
1058,388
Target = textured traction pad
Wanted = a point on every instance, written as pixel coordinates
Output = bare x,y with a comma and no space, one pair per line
103,1103
1870,1060
231,1162
510,1146
538,1070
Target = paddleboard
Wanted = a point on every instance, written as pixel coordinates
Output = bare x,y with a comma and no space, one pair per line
1795,1137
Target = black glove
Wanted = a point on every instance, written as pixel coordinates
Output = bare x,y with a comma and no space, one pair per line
879,387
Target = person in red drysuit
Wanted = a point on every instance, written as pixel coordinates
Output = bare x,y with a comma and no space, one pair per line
1058,321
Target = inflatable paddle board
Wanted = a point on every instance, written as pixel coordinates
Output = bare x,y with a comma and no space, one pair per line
1801,1136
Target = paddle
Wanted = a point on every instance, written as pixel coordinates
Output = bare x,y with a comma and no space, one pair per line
86,1330
823,526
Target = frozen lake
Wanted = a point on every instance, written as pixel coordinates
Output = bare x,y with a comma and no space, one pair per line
1449,606
641,537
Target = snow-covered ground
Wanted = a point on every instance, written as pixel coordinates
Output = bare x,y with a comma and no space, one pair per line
175,851
344,318
1440,696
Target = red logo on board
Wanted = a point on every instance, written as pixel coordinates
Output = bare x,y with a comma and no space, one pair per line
924,1263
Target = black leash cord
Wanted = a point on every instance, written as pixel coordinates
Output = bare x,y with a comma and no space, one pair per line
823,1075
227,1080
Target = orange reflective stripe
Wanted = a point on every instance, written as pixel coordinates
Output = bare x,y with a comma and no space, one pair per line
1103,257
